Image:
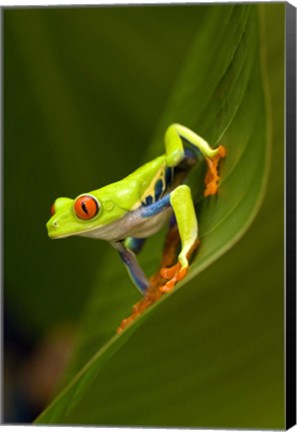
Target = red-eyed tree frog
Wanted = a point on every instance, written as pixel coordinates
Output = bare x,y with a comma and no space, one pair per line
128,211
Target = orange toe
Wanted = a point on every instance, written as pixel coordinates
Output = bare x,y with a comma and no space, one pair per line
222,151
169,272
174,274
212,178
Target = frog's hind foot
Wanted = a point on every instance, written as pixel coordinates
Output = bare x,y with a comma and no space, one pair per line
150,297
212,178
153,292
173,275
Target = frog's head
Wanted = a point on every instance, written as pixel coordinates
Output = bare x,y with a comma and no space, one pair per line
84,214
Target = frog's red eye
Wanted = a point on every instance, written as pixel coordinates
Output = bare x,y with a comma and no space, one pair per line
86,207
53,209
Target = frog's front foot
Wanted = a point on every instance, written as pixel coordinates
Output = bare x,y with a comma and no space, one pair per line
179,271
173,275
212,178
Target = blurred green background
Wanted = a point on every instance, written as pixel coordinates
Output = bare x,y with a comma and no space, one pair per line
83,91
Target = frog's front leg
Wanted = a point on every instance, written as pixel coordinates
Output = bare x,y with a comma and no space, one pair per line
180,200
177,151
136,273
183,207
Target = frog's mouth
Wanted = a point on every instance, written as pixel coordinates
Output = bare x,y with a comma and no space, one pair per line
58,236
54,234
54,231
104,232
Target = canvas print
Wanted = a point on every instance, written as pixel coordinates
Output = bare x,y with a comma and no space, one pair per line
144,215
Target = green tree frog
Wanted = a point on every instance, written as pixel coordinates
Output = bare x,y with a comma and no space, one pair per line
128,211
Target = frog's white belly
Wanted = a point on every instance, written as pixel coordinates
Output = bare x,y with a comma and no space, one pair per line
131,225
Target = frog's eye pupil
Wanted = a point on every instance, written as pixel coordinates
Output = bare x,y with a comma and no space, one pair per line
86,207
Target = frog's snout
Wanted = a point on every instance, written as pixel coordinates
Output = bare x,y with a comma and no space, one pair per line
59,211
52,227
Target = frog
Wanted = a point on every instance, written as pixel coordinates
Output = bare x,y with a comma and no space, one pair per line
125,213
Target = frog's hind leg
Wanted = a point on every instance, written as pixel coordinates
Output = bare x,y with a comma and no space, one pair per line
136,273
134,244
182,144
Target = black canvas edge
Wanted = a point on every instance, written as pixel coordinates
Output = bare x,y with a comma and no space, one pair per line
290,219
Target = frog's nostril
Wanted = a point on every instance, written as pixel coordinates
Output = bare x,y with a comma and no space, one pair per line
55,224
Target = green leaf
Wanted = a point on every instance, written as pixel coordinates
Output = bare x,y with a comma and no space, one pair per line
198,357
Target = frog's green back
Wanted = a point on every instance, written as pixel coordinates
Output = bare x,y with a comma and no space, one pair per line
131,191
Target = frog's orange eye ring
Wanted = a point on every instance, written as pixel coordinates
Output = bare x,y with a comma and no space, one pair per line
86,207
53,209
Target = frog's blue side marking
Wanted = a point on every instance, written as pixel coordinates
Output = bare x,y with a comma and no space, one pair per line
161,186
168,177
155,208
158,189
155,204
148,200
